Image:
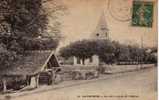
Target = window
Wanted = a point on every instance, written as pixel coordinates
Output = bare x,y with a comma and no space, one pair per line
97,34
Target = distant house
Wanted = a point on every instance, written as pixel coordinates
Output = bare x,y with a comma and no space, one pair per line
91,61
29,68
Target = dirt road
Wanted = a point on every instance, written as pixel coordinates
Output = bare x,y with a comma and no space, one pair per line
138,85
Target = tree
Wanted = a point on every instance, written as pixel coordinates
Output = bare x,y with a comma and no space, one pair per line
6,57
29,18
23,25
108,51
81,49
86,48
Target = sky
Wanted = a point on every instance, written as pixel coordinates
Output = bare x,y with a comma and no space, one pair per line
83,16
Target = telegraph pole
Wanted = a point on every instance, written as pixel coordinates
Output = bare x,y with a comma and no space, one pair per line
141,58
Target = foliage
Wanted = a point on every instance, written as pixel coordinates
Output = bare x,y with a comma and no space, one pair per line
6,57
87,48
108,51
23,25
38,43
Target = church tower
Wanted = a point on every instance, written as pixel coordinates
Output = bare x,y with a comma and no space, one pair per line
101,30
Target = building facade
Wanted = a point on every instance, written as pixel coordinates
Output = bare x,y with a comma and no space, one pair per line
91,61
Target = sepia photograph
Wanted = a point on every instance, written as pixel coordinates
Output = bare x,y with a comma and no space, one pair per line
78,49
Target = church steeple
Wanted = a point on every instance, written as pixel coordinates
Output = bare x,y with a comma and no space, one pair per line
101,30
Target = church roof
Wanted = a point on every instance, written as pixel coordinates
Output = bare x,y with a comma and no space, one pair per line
101,30
102,22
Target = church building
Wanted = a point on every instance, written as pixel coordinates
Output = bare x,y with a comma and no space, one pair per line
101,32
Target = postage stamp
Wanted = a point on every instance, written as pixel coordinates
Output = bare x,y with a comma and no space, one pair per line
142,14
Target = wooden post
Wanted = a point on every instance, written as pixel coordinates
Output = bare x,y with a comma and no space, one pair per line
28,80
37,81
53,75
4,85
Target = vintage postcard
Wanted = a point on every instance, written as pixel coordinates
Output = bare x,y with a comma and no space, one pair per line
78,50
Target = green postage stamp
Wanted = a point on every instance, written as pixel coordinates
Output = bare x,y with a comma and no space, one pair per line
142,13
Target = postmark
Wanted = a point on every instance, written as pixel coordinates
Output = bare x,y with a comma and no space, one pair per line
120,10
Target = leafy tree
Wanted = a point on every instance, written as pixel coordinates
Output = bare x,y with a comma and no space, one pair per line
6,57
86,48
151,55
29,18
108,51
23,25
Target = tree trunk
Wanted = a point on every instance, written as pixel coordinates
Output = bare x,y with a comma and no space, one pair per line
83,61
